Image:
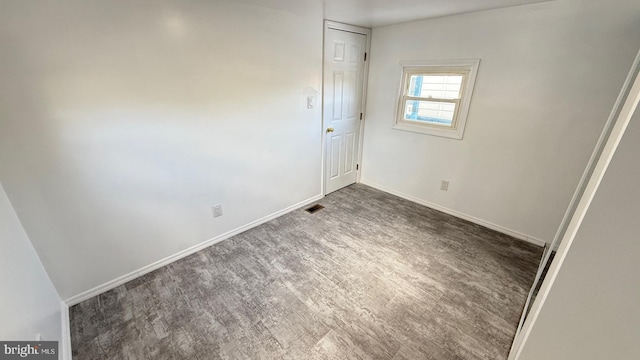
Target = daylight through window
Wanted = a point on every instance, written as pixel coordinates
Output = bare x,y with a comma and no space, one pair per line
435,97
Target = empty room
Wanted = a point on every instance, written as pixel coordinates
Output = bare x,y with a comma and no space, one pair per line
319,179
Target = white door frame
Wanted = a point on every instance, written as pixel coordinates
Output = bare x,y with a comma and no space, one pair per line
328,24
606,146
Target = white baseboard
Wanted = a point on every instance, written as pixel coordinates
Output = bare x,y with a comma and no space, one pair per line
65,343
177,256
473,219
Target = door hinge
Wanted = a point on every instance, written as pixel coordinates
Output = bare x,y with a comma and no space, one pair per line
365,56
360,116
357,166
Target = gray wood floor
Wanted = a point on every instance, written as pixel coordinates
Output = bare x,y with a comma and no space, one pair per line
371,276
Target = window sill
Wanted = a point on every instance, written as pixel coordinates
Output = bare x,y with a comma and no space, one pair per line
431,130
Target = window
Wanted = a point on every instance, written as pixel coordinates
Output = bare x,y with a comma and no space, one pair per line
435,96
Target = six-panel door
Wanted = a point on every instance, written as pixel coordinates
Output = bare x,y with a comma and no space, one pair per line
343,77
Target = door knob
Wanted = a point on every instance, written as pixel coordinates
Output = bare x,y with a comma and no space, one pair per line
329,130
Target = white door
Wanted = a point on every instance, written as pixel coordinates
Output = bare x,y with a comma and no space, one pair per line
344,57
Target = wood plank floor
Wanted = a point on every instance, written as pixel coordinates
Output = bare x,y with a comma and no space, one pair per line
371,276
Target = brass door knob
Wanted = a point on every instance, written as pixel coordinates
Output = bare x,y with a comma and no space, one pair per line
329,130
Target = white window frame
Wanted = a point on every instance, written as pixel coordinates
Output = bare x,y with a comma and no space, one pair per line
468,68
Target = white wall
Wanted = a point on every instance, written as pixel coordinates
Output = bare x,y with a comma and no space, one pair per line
29,304
548,77
122,122
591,312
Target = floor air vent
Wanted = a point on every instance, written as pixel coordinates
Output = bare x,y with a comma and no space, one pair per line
315,208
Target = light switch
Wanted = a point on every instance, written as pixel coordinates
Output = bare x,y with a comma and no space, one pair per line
310,101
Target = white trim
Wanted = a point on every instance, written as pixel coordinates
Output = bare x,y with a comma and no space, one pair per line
322,133
473,219
631,93
329,24
181,254
365,86
65,343
467,67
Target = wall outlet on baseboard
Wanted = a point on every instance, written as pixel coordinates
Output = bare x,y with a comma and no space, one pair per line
444,185
217,210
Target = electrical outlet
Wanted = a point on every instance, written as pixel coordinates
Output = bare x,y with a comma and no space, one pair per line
38,337
217,210
444,185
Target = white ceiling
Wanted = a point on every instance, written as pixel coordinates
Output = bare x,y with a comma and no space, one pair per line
373,13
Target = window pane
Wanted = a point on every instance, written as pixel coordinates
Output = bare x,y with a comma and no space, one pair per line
431,112
437,86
